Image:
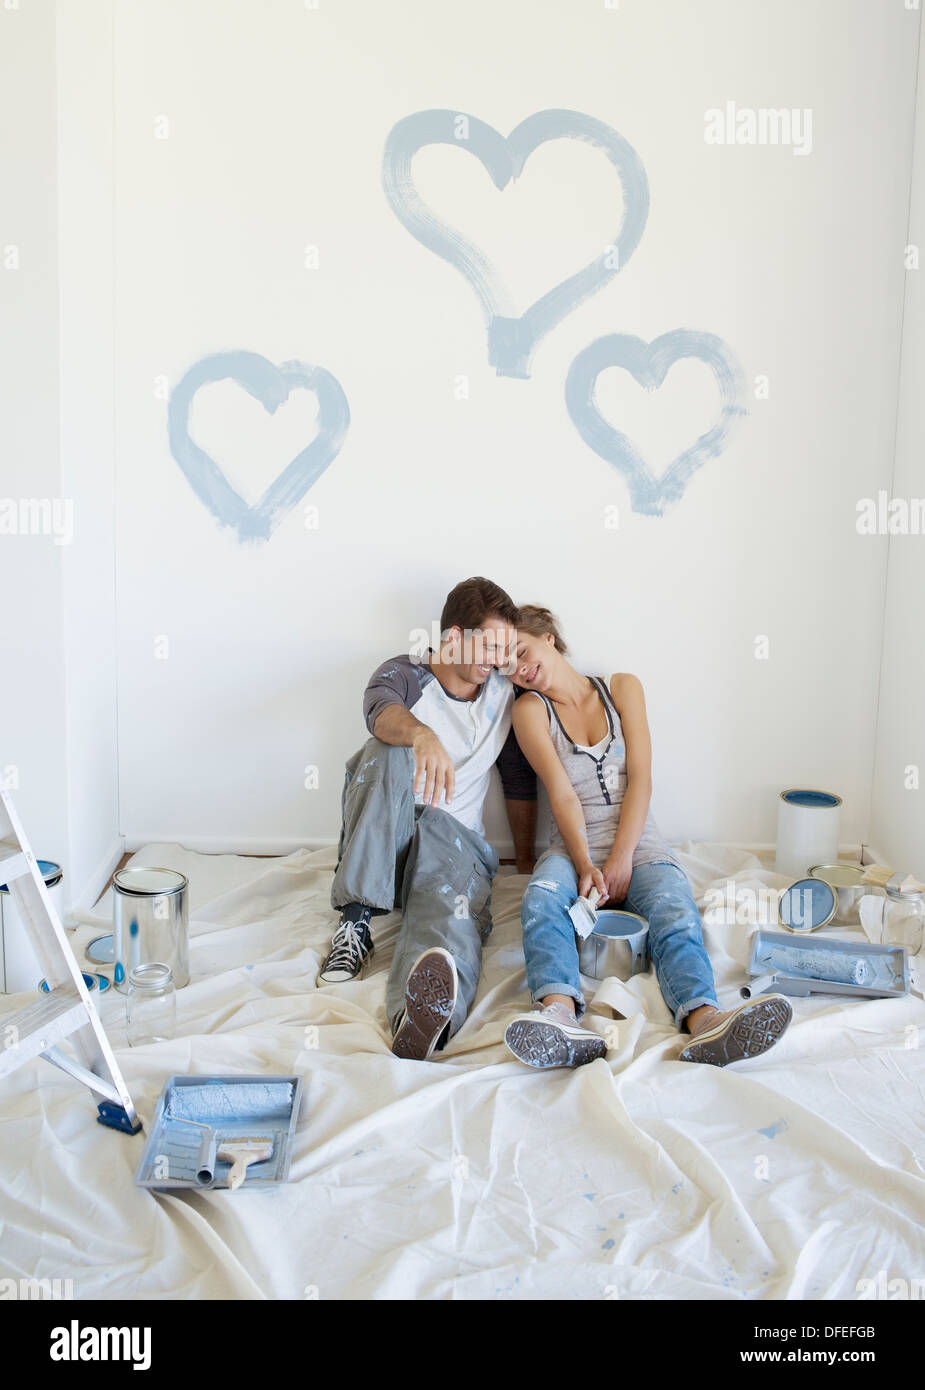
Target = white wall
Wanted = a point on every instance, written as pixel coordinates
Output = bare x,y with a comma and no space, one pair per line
898,803
278,115
58,688
33,749
277,119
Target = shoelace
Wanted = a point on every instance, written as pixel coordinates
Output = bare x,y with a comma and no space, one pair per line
349,949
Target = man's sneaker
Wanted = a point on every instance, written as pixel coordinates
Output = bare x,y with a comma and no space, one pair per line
351,948
746,1031
430,998
550,1036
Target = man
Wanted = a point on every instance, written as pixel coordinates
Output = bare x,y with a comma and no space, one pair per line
412,832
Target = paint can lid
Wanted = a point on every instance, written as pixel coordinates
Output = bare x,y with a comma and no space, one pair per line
810,797
145,883
50,871
838,875
100,950
807,905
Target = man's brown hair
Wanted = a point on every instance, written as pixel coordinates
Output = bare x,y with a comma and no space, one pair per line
472,601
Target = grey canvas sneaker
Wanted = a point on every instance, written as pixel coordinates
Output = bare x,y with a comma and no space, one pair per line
550,1036
743,1032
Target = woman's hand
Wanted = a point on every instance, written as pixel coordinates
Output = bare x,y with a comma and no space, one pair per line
588,878
617,872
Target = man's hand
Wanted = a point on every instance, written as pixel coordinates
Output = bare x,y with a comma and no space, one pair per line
434,774
589,878
618,870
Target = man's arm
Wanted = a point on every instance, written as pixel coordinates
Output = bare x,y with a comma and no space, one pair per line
434,772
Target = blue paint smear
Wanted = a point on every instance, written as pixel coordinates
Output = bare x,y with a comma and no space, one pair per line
776,1128
270,385
511,340
608,1244
589,1196
649,364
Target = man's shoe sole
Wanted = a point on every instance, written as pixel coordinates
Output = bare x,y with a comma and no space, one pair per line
544,1045
430,998
754,1028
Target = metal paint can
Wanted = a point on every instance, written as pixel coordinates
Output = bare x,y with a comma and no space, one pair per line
807,905
150,918
19,961
807,829
846,880
617,946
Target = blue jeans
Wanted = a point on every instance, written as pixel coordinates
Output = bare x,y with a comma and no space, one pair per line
660,893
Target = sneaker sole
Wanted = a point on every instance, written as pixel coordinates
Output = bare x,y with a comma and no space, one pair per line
543,1045
752,1030
430,998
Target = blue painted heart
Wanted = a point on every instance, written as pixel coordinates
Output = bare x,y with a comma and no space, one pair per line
270,385
511,340
649,364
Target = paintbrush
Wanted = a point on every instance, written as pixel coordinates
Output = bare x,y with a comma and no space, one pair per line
241,1153
882,876
584,914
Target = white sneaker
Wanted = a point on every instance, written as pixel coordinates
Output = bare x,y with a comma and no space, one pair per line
550,1036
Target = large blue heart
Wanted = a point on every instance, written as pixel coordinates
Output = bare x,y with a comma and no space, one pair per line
649,363
270,385
511,341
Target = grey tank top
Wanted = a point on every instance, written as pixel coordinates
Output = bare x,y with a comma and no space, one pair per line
599,777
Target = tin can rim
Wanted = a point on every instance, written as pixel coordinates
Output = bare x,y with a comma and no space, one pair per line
833,798
149,892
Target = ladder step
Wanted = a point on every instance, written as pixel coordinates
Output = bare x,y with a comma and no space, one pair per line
13,864
28,1032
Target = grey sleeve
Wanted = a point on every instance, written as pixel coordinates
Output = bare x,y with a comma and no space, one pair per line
395,682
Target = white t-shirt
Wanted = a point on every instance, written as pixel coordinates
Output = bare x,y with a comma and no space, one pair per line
476,733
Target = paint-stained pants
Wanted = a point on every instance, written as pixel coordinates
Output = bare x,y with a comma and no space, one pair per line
395,853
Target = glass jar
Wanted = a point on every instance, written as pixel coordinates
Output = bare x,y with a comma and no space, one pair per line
903,920
150,1004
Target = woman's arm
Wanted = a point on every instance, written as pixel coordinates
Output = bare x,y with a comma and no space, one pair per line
631,706
531,726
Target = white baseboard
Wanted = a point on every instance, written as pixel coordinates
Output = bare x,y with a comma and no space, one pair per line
200,844
89,894
203,844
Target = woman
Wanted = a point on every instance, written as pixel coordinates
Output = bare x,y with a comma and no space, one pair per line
589,743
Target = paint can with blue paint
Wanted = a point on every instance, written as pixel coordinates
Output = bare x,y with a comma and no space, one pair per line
618,946
807,830
20,965
150,918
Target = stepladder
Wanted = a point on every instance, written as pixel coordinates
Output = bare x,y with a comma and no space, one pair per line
66,1014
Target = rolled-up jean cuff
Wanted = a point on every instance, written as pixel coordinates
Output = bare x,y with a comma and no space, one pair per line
685,1009
570,990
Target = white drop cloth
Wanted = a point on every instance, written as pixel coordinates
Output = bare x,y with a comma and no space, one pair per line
790,1176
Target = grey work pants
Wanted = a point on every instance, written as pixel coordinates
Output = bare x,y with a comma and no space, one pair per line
395,853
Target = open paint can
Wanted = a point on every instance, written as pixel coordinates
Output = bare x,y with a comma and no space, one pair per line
807,829
150,918
19,961
617,946
846,880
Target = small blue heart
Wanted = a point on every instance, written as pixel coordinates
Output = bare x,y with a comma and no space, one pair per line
511,341
649,364
270,385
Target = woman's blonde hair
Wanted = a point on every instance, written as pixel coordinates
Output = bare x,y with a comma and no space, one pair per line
538,622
